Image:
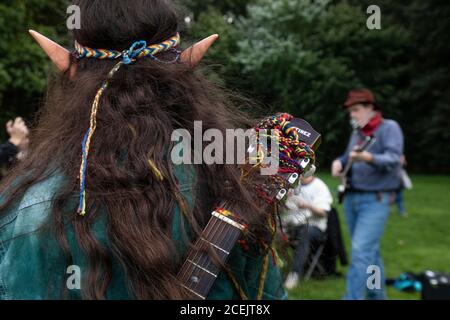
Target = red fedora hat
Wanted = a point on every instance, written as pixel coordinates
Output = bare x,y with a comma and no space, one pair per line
359,96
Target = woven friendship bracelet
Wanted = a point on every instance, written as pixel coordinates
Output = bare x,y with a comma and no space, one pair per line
86,52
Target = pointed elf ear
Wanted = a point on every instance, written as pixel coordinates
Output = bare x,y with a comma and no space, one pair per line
60,56
195,54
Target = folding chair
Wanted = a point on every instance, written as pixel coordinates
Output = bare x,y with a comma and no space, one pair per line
315,261
329,249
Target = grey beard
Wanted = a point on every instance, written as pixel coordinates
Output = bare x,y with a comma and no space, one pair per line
355,125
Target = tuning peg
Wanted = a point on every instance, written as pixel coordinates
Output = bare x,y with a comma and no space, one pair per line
312,169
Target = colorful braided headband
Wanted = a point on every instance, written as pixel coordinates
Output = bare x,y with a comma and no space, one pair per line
138,50
140,46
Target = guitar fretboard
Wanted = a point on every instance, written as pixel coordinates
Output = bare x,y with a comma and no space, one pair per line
200,270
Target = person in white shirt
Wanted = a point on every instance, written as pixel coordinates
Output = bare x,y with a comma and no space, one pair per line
306,218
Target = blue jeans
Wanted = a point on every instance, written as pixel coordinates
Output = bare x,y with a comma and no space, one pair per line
366,215
400,203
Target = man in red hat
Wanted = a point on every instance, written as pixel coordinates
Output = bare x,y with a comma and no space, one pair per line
374,176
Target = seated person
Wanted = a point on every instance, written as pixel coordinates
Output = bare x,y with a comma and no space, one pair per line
306,218
16,145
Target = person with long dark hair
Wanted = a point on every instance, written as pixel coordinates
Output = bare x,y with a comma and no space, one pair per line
98,194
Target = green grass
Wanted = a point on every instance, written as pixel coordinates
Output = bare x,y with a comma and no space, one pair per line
419,242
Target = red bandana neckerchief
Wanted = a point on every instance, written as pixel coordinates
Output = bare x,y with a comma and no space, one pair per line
369,129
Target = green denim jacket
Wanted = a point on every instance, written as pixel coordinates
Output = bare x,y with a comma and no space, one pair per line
33,267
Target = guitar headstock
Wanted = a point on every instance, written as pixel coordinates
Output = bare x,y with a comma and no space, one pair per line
297,142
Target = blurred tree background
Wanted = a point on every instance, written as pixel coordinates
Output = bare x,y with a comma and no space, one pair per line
300,56
23,66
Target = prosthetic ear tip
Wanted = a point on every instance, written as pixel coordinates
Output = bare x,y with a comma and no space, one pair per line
213,38
195,53
59,55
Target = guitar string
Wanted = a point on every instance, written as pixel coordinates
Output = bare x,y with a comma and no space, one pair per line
196,257
220,239
213,235
212,238
205,257
204,260
190,269
184,275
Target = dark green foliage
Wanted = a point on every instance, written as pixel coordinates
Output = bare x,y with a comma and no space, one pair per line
303,56
23,65
299,56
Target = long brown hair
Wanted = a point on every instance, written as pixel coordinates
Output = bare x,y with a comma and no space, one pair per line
144,103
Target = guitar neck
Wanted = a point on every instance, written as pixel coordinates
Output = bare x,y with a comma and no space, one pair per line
347,168
365,146
211,250
200,270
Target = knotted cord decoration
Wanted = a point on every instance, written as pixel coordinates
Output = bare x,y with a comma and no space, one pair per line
147,51
139,49
292,152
